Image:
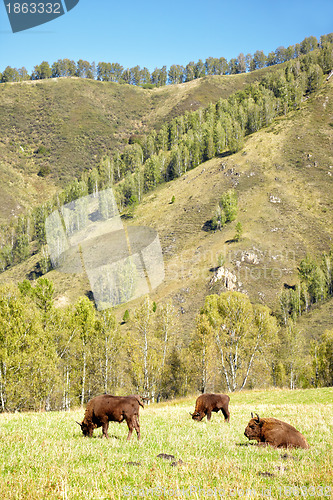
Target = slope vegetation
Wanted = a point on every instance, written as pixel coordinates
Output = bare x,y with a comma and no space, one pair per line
283,178
53,130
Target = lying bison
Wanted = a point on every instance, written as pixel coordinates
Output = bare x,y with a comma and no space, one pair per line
275,433
207,403
105,408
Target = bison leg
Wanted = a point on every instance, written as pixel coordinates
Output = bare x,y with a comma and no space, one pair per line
105,427
130,427
137,425
209,415
226,414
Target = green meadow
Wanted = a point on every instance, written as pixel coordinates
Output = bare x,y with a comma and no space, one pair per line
45,456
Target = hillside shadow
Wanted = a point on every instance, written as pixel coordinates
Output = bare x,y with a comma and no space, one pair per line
207,226
224,154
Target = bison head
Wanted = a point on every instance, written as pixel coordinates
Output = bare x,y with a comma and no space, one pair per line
197,416
253,429
87,428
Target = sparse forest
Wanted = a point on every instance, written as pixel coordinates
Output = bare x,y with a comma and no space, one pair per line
57,358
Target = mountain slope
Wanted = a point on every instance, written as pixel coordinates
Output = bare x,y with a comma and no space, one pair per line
64,126
283,178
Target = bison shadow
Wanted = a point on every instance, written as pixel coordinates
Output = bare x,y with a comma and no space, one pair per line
266,474
97,436
165,456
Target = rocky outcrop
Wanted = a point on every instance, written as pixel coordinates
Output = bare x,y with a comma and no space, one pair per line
228,279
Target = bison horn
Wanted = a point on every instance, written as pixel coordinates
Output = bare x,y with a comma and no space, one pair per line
252,416
258,417
78,423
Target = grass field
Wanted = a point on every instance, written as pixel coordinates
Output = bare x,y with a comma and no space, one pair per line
45,456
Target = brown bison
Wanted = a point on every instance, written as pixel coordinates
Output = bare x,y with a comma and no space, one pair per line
106,408
207,403
275,433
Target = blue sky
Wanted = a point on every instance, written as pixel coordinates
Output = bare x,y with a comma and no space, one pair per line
156,33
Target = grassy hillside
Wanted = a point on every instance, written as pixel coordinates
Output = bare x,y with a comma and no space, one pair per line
44,455
67,124
283,179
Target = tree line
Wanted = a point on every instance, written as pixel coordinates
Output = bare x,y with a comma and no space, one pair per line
315,285
180,145
58,358
115,72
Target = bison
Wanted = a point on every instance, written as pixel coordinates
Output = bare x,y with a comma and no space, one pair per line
207,403
106,408
275,433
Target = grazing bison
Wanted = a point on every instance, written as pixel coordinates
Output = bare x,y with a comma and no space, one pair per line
106,408
275,433
207,403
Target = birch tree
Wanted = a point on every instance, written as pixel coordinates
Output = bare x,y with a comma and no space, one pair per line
107,347
84,323
297,362
27,357
202,350
325,358
142,349
242,332
166,330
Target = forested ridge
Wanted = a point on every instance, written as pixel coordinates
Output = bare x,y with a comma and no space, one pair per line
115,72
58,357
